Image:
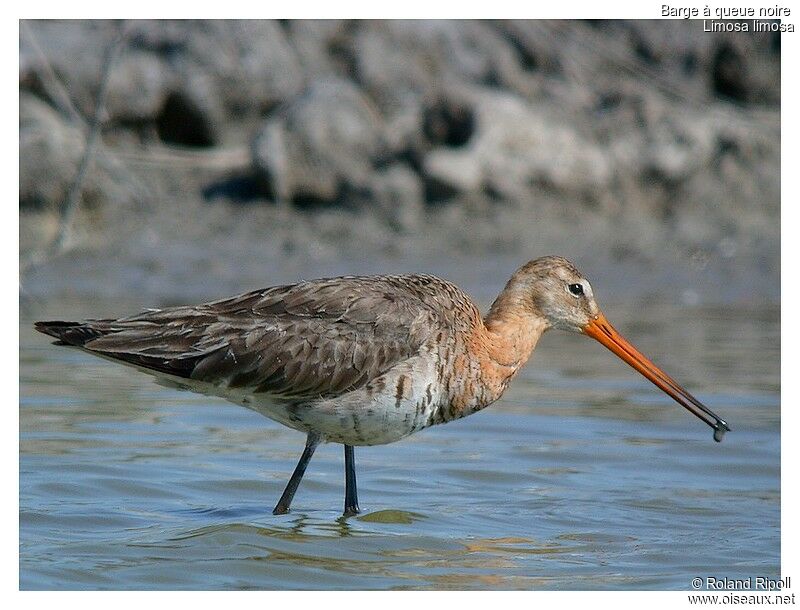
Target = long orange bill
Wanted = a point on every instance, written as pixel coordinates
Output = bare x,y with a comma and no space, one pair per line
602,331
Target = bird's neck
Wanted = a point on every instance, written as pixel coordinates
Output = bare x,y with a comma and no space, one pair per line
511,335
496,349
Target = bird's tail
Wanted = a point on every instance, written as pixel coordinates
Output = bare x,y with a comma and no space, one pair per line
69,333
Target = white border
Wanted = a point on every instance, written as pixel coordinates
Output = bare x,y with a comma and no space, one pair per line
363,9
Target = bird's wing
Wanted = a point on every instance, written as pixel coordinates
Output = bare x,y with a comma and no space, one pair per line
318,338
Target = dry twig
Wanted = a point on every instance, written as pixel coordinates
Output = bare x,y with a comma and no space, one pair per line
73,196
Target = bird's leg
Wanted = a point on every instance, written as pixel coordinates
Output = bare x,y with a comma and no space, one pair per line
282,507
350,491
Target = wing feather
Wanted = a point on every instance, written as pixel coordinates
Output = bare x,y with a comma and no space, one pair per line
312,339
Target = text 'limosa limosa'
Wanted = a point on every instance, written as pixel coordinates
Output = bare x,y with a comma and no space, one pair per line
363,360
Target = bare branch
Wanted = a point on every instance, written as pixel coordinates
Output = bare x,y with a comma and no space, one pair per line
73,195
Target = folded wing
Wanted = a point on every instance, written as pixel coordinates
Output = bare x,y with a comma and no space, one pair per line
318,338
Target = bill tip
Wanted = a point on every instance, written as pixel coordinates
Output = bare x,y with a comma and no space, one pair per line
720,429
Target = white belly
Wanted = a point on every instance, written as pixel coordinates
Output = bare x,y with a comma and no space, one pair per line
366,416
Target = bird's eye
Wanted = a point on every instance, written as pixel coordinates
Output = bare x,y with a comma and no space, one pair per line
576,289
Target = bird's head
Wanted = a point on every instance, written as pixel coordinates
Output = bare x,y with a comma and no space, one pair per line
552,290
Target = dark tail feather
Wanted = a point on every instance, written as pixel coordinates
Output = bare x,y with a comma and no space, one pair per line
81,333
69,333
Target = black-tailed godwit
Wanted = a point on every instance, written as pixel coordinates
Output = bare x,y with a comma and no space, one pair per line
363,360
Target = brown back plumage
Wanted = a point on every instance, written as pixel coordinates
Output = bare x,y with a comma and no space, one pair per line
312,339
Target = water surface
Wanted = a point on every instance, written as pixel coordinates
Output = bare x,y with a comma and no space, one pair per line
583,476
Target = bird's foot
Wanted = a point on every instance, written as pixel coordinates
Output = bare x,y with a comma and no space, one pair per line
351,511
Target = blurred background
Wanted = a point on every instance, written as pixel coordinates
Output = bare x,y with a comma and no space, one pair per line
171,162
229,150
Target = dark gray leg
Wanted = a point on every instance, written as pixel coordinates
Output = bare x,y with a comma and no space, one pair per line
282,507
350,492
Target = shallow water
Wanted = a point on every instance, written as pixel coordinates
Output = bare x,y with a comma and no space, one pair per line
583,476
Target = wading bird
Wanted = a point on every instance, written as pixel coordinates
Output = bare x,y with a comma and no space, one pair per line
363,360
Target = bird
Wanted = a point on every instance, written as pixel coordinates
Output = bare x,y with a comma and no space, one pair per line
363,360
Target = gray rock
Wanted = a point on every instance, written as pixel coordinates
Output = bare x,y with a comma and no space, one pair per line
397,192
137,88
515,146
456,171
72,54
50,150
325,140
323,46
251,64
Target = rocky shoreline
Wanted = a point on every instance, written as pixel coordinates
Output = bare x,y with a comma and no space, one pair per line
626,141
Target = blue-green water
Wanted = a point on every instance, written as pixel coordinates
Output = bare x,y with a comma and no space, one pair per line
583,477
